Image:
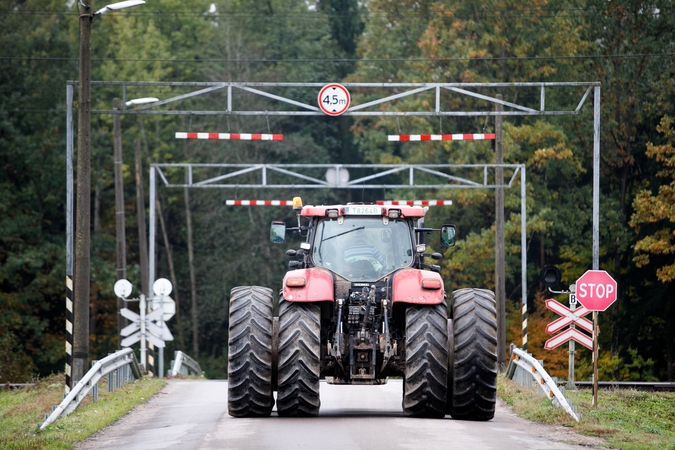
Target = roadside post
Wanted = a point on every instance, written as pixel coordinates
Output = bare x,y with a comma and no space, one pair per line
596,290
147,326
572,316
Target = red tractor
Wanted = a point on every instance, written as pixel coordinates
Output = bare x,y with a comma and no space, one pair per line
358,306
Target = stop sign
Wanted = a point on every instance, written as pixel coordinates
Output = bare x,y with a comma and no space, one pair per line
596,290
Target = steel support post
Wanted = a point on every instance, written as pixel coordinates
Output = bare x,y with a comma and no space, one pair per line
83,218
523,251
596,177
69,239
119,215
596,228
500,273
151,256
142,309
572,344
140,207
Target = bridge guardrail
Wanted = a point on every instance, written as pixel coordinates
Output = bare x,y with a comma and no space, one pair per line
525,370
107,366
182,363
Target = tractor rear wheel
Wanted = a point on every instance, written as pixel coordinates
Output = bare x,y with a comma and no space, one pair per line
474,390
426,361
299,359
249,369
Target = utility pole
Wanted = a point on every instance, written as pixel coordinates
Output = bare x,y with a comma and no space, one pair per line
500,273
140,209
82,215
119,215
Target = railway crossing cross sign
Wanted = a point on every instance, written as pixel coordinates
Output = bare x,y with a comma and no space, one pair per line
596,290
569,317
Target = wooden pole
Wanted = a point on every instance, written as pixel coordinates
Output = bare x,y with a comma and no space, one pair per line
193,282
83,204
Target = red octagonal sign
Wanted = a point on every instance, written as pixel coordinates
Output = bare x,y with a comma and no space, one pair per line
596,290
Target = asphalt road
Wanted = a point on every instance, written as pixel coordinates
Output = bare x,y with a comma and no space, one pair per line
190,414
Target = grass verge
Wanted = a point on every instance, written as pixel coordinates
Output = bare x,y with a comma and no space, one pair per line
22,410
626,419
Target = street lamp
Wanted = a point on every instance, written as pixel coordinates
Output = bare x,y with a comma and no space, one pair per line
82,217
141,101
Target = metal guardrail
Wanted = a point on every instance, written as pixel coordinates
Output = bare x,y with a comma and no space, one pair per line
649,386
116,366
526,371
182,363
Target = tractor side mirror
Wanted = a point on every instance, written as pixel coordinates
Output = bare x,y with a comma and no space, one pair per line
278,232
448,235
550,276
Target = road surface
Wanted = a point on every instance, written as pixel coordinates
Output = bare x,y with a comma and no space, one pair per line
192,414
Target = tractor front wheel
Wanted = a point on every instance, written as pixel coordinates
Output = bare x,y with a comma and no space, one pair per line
426,361
249,369
474,390
299,359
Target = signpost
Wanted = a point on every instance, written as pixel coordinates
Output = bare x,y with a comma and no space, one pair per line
569,317
596,290
143,327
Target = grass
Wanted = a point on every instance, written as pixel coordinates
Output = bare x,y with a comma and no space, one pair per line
626,419
22,410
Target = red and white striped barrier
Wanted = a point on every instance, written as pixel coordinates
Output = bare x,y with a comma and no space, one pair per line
415,202
441,137
259,202
231,136
379,202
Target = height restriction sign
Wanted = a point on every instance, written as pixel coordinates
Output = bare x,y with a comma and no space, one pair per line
334,99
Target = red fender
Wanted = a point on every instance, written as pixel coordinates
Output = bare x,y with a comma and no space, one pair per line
407,287
318,286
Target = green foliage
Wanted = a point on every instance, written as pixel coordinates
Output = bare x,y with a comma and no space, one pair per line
32,195
657,209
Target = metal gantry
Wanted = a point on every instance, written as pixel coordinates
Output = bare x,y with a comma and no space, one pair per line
379,99
441,91
443,176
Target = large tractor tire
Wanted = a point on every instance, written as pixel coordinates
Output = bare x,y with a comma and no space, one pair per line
474,378
426,361
299,359
249,369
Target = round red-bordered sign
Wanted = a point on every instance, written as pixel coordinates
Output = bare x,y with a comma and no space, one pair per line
334,99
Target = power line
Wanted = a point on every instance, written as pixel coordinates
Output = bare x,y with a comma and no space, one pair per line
343,60
543,13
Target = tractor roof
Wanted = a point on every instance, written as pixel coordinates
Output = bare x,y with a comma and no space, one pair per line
363,209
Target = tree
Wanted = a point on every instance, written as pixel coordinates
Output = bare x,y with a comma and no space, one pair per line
32,190
658,209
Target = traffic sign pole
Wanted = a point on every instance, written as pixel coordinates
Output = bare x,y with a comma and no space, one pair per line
595,359
596,290
160,371
144,357
571,351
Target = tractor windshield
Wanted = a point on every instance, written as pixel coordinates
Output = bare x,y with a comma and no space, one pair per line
363,248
